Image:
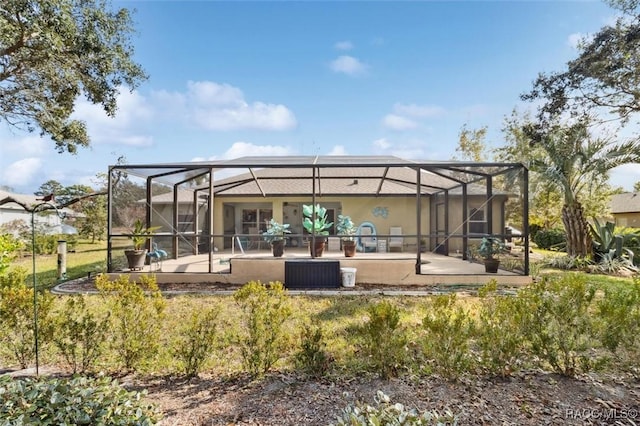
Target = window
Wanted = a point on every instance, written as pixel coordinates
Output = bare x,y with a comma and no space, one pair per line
477,221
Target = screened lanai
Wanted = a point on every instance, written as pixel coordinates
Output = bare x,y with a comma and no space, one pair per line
216,211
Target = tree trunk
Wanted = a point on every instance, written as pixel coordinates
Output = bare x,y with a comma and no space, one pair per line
577,228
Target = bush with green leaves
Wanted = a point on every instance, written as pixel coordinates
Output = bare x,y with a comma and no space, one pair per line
498,336
9,246
550,239
618,319
312,356
15,277
136,315
17,326
387,413
384,339
76,401
265,309
196,341
567,262
80,334
557,323
448,329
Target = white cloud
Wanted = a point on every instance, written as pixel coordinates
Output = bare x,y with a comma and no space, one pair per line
243,149
246,149
576,39
381,144
422,111
348,65
338,150
133,110
344,45
396,122
625,176
31,145
22,172
214,106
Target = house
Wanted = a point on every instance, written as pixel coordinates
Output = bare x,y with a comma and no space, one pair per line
16,208
625,209
445,205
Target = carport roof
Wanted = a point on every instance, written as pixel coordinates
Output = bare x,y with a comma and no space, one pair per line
334,174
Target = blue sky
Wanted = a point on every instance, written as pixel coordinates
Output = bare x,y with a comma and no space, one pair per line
229,79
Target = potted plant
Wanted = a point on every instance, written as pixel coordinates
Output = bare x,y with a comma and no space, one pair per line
275,236
139,236
347,230
488,249
315,223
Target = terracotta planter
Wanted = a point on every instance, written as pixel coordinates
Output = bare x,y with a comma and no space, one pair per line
278,248
317,249
136,259
349,248
491,265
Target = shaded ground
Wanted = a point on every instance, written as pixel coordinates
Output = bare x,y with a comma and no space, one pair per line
526,399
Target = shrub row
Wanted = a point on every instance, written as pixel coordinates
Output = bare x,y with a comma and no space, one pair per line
562,324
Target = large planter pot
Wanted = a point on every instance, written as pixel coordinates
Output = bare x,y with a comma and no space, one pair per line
318,248
277,248
349,248
491,265
135,259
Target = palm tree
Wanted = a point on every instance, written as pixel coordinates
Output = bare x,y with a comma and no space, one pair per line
573,160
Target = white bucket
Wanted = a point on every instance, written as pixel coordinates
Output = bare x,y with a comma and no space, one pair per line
348,277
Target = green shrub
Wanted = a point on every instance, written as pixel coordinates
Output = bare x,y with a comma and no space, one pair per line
9,246
77,401
567,262
79,335
15,277
265,309
17,327
449,328
136,313
619,317
498,331
384,340
196,341
312,356
557,322
550,239
387,413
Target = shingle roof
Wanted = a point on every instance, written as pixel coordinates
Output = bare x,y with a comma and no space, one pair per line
626,203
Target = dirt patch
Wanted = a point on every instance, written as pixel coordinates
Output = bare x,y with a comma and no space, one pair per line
526,399
86,285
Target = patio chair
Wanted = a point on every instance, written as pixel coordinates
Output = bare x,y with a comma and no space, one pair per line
155,258
396,241
255,239
368,240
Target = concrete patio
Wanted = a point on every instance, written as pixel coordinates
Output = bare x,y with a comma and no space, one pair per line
397,268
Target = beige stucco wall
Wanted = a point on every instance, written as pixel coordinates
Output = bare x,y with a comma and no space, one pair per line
383,212
631,220
400,211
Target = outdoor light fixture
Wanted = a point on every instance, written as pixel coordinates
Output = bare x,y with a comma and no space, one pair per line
46,201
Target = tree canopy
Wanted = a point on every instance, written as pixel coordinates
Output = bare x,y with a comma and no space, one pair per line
604,78
51,52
